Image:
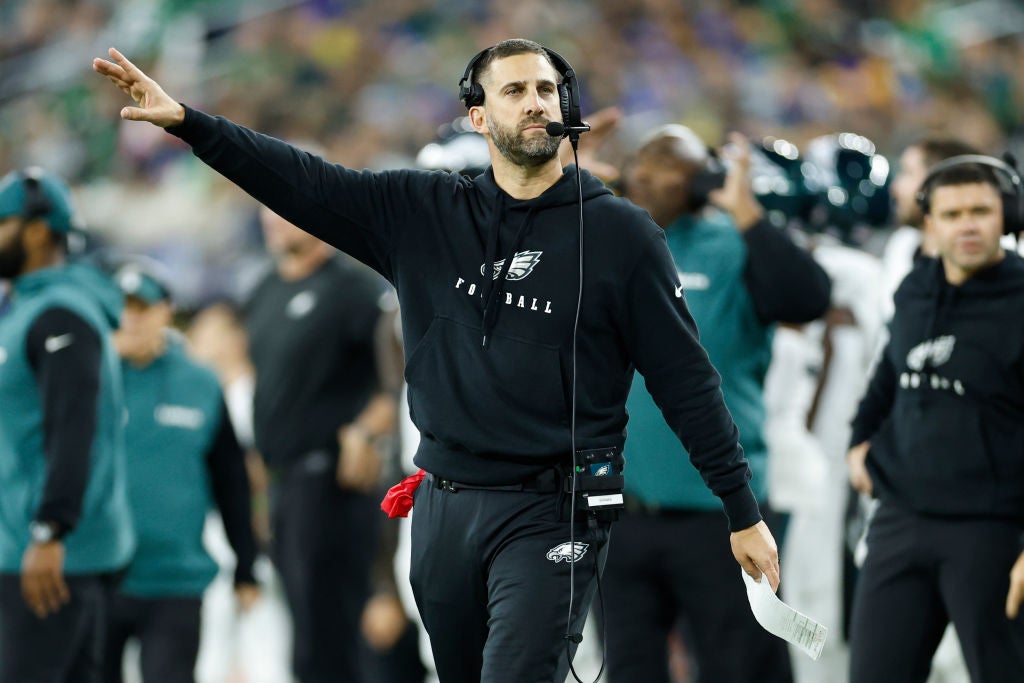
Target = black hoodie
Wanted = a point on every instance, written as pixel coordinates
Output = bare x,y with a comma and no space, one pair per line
490,379
945,408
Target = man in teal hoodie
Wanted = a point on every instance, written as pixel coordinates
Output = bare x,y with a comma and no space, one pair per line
182,458
65,526
668,562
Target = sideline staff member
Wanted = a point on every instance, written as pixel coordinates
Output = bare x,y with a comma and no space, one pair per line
182,457
940,440
486,274
317,406
65,525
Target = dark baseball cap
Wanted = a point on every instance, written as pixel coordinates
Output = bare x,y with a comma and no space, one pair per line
35,193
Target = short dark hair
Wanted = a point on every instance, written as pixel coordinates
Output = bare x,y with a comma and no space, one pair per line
959,174
936,149
508,48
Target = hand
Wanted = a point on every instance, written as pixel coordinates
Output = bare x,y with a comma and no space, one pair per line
735,197
754,548
155,105
856,459
602,124
383,621
42,578
247,595
359,463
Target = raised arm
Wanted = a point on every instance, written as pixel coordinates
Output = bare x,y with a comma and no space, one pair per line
359,212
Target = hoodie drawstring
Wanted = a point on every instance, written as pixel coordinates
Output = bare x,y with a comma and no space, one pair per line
495,274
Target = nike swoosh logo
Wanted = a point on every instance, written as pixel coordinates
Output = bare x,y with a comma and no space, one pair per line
58,342
679,292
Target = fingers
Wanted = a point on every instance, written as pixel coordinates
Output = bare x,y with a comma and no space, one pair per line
767,565
755,550
45,592
1013,600
770,567
359,465
862,483
856,459
1016,594
130,69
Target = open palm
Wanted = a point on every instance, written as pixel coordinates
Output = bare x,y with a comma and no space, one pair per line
154,105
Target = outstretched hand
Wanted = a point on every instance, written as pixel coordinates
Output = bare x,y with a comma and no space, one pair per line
754,548
154,105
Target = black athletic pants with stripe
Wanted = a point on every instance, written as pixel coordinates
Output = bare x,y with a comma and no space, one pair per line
920,573
491,575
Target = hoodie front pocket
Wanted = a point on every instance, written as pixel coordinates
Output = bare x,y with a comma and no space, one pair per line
949,457
506,399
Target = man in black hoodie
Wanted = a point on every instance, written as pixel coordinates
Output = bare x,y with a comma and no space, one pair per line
939,439
521,341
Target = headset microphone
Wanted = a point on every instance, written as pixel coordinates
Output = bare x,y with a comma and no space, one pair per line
557,129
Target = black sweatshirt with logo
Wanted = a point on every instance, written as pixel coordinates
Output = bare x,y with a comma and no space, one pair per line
488,286
945,409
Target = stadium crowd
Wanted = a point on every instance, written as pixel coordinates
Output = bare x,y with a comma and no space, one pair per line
832,95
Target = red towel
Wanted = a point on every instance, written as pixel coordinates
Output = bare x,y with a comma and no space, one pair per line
398,500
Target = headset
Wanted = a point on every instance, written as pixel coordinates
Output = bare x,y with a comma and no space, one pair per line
37,204
1007,178
710,176
472,93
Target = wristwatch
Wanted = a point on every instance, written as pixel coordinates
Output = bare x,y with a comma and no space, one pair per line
43,532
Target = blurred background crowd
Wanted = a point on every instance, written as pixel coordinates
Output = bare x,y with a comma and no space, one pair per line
372,82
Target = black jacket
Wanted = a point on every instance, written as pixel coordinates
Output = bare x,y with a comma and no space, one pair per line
500,412
945,408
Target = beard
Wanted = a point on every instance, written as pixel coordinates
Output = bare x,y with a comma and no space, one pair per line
528,152
12,259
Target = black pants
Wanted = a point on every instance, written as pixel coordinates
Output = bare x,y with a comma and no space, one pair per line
919,574
491,576
324,544
66,647
168,633
667,568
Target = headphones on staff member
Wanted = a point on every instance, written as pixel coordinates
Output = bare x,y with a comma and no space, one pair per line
472,93
1006,176
710,176
37,204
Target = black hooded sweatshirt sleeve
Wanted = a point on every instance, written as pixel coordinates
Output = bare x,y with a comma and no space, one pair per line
230,484
684,384
415,228
877,403
64,353
786,284
346,208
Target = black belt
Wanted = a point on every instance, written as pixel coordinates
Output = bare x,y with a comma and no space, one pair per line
548,481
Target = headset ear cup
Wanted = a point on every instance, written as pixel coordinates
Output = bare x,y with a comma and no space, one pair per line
476,95
565,103
1013,221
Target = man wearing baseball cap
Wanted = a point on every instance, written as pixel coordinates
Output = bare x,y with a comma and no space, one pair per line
182,457
65,526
